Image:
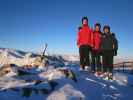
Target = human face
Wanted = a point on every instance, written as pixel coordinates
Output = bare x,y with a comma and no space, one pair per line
106,30
97,28
85,22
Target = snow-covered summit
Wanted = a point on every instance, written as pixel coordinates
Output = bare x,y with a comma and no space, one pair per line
61,80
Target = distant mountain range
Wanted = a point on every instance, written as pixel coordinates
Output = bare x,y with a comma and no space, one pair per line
8,55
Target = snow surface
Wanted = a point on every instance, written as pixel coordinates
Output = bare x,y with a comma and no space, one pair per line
87,87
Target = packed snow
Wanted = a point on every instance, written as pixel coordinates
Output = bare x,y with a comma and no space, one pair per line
60,80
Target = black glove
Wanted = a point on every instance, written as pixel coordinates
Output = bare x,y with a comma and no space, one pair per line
115,52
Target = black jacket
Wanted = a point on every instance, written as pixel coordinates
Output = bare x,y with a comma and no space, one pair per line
107,42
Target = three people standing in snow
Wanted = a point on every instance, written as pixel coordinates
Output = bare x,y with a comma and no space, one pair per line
96,49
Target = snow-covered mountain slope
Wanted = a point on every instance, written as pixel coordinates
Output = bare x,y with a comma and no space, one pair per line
56,81
60,84
72,57
8,56
12,56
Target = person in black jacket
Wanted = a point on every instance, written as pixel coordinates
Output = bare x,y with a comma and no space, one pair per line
107,47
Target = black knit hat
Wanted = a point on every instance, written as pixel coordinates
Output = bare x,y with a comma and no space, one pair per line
84,18
98,24
106,27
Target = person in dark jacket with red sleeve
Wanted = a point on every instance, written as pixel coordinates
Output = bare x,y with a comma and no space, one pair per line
84,42
96,62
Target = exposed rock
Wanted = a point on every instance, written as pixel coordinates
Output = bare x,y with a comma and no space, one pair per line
5,69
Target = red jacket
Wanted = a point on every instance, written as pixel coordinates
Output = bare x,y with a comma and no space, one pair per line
96,40
85,36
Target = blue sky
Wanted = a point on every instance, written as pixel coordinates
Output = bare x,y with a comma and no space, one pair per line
28,24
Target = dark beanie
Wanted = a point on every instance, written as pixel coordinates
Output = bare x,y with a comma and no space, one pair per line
98,24
106,27
84,18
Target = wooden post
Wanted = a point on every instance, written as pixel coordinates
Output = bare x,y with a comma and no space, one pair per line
123,66
45,49
132,68
43,54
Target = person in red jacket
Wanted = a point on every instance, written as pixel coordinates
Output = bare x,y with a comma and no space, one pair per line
96,62
84,42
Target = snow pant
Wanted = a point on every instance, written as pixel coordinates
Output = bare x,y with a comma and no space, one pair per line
96,61
107,60
85,53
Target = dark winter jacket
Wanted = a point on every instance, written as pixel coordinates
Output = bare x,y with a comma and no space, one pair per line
107,42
